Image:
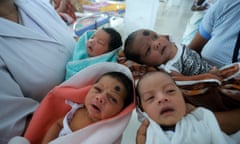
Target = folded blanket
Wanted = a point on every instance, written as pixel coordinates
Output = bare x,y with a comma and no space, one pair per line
198,127
80,59
218,92
53,107
138,70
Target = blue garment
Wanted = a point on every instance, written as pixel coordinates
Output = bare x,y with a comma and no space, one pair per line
221,25
81,60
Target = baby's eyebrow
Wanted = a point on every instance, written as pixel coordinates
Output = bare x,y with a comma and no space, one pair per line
146,33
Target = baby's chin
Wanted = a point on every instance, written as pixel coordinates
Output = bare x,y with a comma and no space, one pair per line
168,122
90,53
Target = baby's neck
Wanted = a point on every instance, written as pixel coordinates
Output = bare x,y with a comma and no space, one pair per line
168,128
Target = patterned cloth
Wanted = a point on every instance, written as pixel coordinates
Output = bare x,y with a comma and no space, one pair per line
218,92
187,62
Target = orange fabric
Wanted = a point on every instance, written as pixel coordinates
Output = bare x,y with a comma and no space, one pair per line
51,109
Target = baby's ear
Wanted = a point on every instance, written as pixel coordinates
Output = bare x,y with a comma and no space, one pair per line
139,103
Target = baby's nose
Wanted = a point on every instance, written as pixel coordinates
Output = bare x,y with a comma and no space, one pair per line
156,45
162,98
100,98
92,41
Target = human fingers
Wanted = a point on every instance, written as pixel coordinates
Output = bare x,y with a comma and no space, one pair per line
141,132
70,10
189,107
56,3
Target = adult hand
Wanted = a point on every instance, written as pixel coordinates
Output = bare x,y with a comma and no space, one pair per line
142,132
189,107
64,6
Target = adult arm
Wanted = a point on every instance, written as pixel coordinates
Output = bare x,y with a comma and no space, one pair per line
198,43
229,120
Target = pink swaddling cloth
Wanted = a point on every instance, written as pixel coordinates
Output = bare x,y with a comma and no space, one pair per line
75,89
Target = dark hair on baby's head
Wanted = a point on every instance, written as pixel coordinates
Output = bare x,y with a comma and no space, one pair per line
126,81
128,47
115,38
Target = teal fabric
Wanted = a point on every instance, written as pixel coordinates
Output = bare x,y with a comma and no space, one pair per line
80,51
80,59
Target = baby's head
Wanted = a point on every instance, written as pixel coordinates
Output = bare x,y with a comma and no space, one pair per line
147,47
111,93
103,41
159,97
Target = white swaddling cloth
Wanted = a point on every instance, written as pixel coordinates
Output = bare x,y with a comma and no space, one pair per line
198,127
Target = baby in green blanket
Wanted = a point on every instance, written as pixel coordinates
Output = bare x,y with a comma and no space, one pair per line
92,47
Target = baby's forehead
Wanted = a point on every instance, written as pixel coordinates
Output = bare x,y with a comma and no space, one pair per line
156,75
100,31
107,79
146,32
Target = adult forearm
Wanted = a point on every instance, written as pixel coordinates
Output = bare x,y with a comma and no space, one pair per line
197,43
229,120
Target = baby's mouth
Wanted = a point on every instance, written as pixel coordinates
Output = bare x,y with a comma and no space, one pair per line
95,107
163,49
90,48
166,110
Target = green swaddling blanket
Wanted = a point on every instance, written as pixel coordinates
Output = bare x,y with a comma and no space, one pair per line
80,58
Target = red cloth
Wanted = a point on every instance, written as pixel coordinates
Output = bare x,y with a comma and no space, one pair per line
51,109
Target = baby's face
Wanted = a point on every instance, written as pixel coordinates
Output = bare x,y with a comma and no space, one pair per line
161,99
153,49
105,99
98,44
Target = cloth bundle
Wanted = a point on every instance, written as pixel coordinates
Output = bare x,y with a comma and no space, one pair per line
81,60
53,107
199,127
